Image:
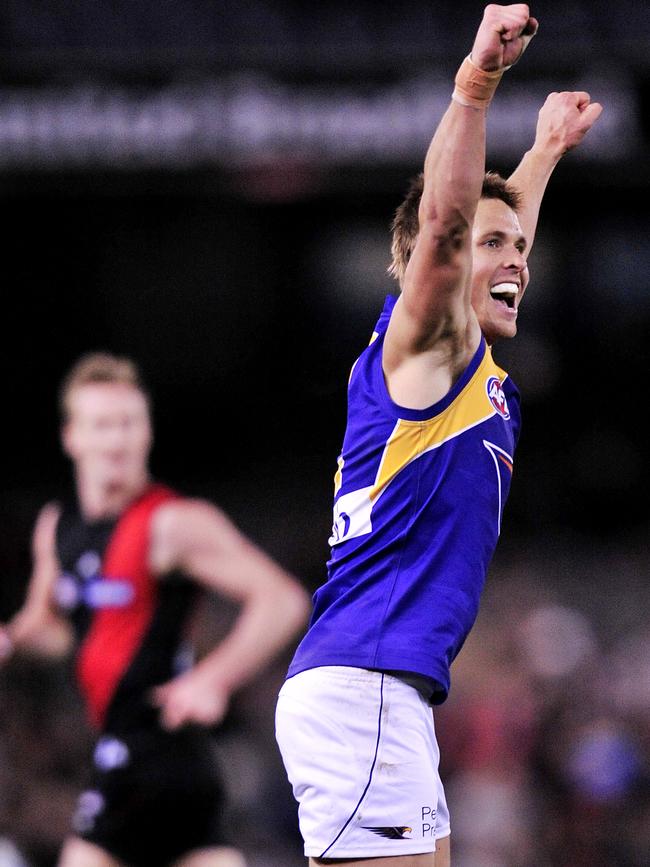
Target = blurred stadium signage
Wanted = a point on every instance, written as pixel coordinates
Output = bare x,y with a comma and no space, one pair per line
252,119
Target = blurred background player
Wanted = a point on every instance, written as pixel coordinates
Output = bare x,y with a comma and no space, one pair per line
122,566
422,482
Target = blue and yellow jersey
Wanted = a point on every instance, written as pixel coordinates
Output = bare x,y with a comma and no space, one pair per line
419,497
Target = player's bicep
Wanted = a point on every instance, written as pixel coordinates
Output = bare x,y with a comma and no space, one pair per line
434,302
44,535
200,540
226,562
45,563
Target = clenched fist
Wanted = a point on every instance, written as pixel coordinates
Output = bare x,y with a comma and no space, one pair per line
564,120
502,36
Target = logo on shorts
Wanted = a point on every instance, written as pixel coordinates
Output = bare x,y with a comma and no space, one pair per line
497,397
397,832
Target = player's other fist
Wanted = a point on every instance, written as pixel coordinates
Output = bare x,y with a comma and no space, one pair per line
564,120
502,36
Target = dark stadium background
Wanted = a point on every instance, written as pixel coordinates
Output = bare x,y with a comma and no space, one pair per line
243,265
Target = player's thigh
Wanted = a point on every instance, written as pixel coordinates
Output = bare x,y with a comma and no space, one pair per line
79,853
443,851
440,858
426,859
218,856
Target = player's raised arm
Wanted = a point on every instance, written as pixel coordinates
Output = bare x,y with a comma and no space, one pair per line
564,120
435,302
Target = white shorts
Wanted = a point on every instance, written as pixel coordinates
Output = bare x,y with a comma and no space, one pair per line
361,754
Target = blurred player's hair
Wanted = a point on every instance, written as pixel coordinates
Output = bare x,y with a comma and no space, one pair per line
405,225
99,367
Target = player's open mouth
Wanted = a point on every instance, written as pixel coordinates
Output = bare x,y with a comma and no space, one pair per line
505,293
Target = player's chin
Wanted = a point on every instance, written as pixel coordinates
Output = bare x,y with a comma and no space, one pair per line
499,331
119,473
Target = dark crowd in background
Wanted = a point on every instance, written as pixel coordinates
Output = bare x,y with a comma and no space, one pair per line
207,187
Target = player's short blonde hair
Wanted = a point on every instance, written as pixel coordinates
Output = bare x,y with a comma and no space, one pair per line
405,225
100,367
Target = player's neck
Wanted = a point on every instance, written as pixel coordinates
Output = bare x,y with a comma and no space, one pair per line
106,499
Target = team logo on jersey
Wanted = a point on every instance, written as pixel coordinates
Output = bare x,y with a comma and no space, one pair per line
396,832
98,592
497,397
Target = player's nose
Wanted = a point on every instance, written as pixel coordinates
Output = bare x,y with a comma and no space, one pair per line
514,259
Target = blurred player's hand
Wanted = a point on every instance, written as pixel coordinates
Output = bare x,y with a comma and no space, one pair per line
43,634
190,698
502,36
564,120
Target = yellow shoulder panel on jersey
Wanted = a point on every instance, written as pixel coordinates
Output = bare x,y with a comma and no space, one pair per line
410,439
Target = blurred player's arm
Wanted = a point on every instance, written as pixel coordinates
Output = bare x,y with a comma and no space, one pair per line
199,539
563,121
37,628
434,310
